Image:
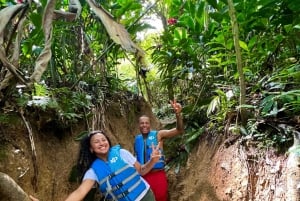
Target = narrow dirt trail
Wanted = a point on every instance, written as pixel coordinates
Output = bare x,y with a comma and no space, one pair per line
217,169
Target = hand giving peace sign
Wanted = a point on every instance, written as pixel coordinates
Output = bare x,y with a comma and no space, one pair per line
176,106
156,153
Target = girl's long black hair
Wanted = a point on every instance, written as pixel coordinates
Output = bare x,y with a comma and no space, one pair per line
86,157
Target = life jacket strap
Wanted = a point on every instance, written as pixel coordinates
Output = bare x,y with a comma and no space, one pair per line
125,181
109,191
125,193
113,174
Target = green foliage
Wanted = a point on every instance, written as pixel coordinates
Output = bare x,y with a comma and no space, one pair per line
67,106
281,93
221,104
279,102
3,118
179,148
268,134
81,135
71,105
7,118
288,102
196,61
40,90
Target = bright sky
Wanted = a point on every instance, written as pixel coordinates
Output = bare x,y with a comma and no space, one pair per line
153,22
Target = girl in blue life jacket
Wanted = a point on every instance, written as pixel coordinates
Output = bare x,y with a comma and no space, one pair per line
115,170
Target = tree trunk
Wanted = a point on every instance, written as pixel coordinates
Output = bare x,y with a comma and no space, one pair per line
10,190
235,32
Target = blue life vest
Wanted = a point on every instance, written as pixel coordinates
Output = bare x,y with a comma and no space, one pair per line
117,179
143,149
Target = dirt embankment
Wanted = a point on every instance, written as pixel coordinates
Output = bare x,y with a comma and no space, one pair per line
45,168
216,170
229,170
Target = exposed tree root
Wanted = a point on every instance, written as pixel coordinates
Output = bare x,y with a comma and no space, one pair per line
10,190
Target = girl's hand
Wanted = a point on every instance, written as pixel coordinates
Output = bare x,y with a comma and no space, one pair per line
33,198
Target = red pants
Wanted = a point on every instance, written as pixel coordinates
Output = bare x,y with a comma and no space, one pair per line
159,184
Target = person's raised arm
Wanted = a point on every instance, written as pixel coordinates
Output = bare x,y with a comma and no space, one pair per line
33,198
155,155
179,122
162,134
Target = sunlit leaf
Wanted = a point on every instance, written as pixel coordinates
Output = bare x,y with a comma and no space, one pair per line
243,45
213,106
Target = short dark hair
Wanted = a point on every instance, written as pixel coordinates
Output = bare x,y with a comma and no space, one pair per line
144,116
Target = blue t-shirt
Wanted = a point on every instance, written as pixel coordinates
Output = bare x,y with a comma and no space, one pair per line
128,158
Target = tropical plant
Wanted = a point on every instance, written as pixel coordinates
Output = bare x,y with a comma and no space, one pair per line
196,61
74,51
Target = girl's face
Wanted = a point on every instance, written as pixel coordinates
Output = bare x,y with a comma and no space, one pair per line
99,145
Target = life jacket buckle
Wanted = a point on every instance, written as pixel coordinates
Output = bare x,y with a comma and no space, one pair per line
118,186
111,175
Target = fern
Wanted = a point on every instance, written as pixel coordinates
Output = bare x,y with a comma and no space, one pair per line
40,90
